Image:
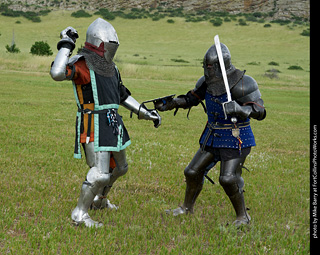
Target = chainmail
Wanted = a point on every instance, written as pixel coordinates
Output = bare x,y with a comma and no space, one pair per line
97,63
216,85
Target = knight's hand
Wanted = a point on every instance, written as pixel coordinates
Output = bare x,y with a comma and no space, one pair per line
154,116
69,32
166,106
68,38
233,109
151,115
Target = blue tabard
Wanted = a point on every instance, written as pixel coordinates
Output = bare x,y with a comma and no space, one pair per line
218,131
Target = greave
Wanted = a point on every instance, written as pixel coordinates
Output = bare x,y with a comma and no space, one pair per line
80,213
238,203
192,192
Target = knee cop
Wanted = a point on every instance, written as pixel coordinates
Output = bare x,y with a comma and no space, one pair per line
97,178
120,170
230,176
232,184
193,177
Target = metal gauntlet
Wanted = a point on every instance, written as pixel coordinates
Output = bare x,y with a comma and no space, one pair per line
65,47
178,102
253,110
142,112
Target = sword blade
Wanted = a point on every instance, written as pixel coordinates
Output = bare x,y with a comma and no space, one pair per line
223,69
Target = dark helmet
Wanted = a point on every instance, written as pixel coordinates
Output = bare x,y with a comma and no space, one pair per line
211,66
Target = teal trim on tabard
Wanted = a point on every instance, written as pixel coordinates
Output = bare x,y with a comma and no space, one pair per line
94,89
77,155
76,94
119,146
97,105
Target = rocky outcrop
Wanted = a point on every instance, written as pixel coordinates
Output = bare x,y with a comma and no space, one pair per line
281,9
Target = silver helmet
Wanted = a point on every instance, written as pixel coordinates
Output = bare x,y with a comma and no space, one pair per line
211,64
103,39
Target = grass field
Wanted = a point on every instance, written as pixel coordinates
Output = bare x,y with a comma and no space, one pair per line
40,181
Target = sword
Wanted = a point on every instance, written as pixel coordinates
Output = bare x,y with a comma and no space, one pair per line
224,76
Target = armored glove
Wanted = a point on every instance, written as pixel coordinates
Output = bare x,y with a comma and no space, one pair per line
68,38
233,109
147,114
179,102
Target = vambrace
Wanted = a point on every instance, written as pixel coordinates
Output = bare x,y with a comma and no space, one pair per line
65,47
187,101
58,67
134,106
258,110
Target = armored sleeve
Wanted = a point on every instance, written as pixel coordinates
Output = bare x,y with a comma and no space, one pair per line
124,93
195,96
247,94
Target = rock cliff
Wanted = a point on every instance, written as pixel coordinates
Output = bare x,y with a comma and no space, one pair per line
282,9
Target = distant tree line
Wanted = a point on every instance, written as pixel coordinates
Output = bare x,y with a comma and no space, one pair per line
30,15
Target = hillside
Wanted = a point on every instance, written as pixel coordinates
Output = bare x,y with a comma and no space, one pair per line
280,9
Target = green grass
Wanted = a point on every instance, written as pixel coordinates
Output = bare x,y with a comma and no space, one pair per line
40,181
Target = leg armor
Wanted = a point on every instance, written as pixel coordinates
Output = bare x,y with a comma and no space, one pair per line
194,174
100,201
97,178
232,183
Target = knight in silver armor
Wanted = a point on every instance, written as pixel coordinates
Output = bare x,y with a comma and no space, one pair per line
99,91
222,139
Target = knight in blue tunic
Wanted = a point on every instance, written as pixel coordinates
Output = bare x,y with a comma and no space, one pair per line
222,139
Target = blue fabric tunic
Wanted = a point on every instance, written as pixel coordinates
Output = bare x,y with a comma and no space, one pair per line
218,131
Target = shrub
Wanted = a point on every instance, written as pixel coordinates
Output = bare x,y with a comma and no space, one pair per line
272,63
254,63
41,48
81,14
242,22
295,68
272,73
305,33
33,16
179,60
216,22
281,22
170,21
106,14
13,48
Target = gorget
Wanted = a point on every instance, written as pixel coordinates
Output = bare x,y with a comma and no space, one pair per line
216,85
97,63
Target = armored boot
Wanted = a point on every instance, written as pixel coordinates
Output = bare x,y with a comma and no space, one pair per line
194,174
80,213
189,201
238,203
